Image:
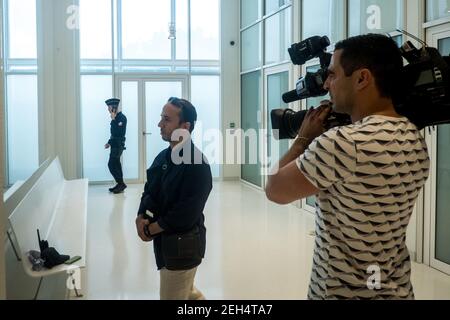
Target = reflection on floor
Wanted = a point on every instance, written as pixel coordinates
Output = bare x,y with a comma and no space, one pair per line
256,250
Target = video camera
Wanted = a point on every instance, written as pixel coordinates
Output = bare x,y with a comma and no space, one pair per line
423,95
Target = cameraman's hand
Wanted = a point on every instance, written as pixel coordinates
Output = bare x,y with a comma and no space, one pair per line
313,124
140,225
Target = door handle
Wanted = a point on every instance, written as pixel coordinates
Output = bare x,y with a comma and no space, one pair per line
147,133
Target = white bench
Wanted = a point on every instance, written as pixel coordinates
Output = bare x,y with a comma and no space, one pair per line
58,208
11,191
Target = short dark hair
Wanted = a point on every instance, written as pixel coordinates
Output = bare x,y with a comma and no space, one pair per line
187,111
379,54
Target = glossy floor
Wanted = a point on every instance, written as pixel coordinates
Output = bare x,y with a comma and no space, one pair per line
256,250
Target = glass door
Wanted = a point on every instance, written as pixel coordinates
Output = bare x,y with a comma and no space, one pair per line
143,99
437,231
251,118
156,95
129,95
277,82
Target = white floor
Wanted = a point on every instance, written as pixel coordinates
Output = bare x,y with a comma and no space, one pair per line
255,250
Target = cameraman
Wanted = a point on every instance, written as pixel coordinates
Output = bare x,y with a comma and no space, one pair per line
367,176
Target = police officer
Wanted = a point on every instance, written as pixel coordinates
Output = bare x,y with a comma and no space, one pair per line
116,143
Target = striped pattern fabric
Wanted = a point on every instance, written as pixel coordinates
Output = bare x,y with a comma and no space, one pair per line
369,175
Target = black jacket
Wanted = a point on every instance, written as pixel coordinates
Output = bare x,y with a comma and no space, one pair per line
176,195
118,131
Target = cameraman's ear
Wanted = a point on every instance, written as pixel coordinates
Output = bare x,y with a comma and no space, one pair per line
363,78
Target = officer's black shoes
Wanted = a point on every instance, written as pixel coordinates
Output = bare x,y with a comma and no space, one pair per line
113,188
120,188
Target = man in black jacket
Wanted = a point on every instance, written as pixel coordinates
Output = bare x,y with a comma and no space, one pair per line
117,144
171,210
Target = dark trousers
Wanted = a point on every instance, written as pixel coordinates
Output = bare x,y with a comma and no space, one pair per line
114,165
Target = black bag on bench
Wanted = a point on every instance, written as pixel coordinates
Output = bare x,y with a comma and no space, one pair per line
49,254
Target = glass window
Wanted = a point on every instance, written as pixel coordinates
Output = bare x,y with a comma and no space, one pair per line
444,46
22,126
375,16
442,191
323,17
95,29
273,5
251,123
146,68
205,29
22,29
182,27
32,67
95,90
442,236
251,48
156,95
278,37
311,201
200,69
250,12
145,29
437,9
116,30
207,135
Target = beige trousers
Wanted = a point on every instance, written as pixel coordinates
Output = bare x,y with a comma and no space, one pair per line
179,285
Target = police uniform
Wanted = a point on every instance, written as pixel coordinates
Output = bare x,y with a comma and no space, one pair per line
117,143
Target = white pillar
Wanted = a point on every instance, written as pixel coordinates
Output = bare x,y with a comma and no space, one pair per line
230,100
58,59
2,125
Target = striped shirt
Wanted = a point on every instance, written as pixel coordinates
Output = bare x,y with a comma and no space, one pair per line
369,175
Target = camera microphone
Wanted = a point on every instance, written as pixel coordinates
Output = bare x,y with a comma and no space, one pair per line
290,96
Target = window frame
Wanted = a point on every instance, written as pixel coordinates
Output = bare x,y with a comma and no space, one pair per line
120,65
264,68
120,68
30,67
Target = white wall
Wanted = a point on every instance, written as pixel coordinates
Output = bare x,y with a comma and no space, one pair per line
231,101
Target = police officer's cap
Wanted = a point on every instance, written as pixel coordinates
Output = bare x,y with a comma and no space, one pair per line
114,103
